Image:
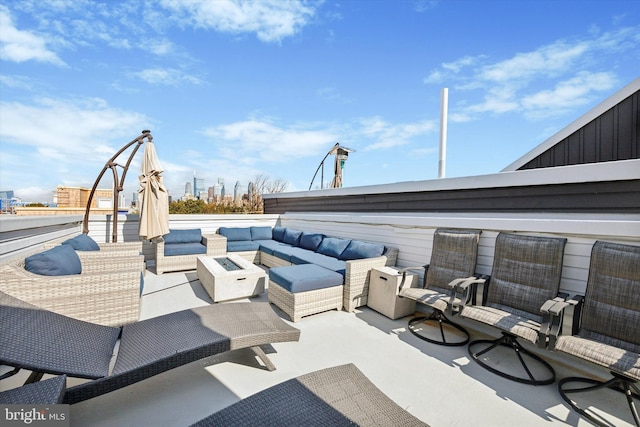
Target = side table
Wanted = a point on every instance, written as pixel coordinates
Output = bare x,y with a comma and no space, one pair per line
383,292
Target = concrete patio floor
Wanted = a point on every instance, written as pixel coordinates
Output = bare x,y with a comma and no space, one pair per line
439,385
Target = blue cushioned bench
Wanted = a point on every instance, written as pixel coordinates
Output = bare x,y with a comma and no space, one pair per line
304,289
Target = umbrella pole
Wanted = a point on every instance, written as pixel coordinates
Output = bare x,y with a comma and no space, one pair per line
117,186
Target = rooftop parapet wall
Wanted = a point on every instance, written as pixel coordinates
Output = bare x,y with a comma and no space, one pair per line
612,187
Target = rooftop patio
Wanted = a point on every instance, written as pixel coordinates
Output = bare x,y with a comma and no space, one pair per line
439,385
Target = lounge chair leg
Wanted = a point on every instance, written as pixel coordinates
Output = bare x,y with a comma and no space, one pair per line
265,359
618,383
34,377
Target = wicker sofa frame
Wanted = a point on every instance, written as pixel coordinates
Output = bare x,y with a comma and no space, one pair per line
107,292
356,278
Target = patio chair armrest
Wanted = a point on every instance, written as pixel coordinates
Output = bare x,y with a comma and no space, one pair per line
462,290
553,312
404,273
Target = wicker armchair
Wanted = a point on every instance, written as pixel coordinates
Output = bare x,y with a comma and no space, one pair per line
216,245
107,292
606,327
525,276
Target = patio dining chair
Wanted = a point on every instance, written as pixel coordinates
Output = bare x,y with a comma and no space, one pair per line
525,275
453,257
45,342
606,329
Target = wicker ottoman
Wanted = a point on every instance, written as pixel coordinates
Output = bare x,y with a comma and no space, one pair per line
301,290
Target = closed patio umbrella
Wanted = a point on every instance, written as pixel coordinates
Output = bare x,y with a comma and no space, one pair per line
153,196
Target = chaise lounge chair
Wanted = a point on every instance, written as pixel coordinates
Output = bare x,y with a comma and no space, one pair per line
46,342
338,396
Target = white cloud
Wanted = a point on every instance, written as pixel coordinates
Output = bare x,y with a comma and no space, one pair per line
567,94
21,46
70,139
388,135
253,141
167,77
271,20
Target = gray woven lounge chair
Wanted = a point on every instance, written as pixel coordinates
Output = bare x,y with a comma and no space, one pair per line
606,329
525,275
46,342
338,396
453,257
46,392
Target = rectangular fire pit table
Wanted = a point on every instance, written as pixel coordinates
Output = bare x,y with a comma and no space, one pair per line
230,277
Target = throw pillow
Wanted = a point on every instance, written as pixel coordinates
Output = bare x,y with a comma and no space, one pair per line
59,261
82,242
332,246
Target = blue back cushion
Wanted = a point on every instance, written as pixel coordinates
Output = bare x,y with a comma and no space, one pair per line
361,250
278,233
332,246
184,249
310,241
82,242
292,237
59,261
260,233
235,234
183,236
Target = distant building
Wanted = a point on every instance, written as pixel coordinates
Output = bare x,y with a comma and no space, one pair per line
237,192
187,189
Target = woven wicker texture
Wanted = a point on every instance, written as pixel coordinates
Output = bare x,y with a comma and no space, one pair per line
44,392
610,328
453,256
107,292
526,272
44,341
338,396
299,304
156,345
216,246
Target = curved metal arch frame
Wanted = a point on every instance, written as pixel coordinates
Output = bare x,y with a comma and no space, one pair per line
117,184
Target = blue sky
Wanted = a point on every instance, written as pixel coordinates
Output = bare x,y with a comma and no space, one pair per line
233,89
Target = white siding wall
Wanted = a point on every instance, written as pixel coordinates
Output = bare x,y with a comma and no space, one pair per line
413,234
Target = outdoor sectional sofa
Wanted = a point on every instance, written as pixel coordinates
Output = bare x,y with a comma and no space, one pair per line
280,247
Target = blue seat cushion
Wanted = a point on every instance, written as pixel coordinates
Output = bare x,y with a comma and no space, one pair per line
184,249
82,242
310,241
242,246
361,250
308,257
268,246
278,233
333,246
286,252
292,237
183,236
235,234
58,261
261,233
304,277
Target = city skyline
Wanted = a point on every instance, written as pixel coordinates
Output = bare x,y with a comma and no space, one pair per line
240,89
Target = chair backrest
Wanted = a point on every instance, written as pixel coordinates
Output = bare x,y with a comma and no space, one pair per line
453,256
526,273
612,300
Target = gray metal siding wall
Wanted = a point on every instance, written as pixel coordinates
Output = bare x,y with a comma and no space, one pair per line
603,197
615,135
